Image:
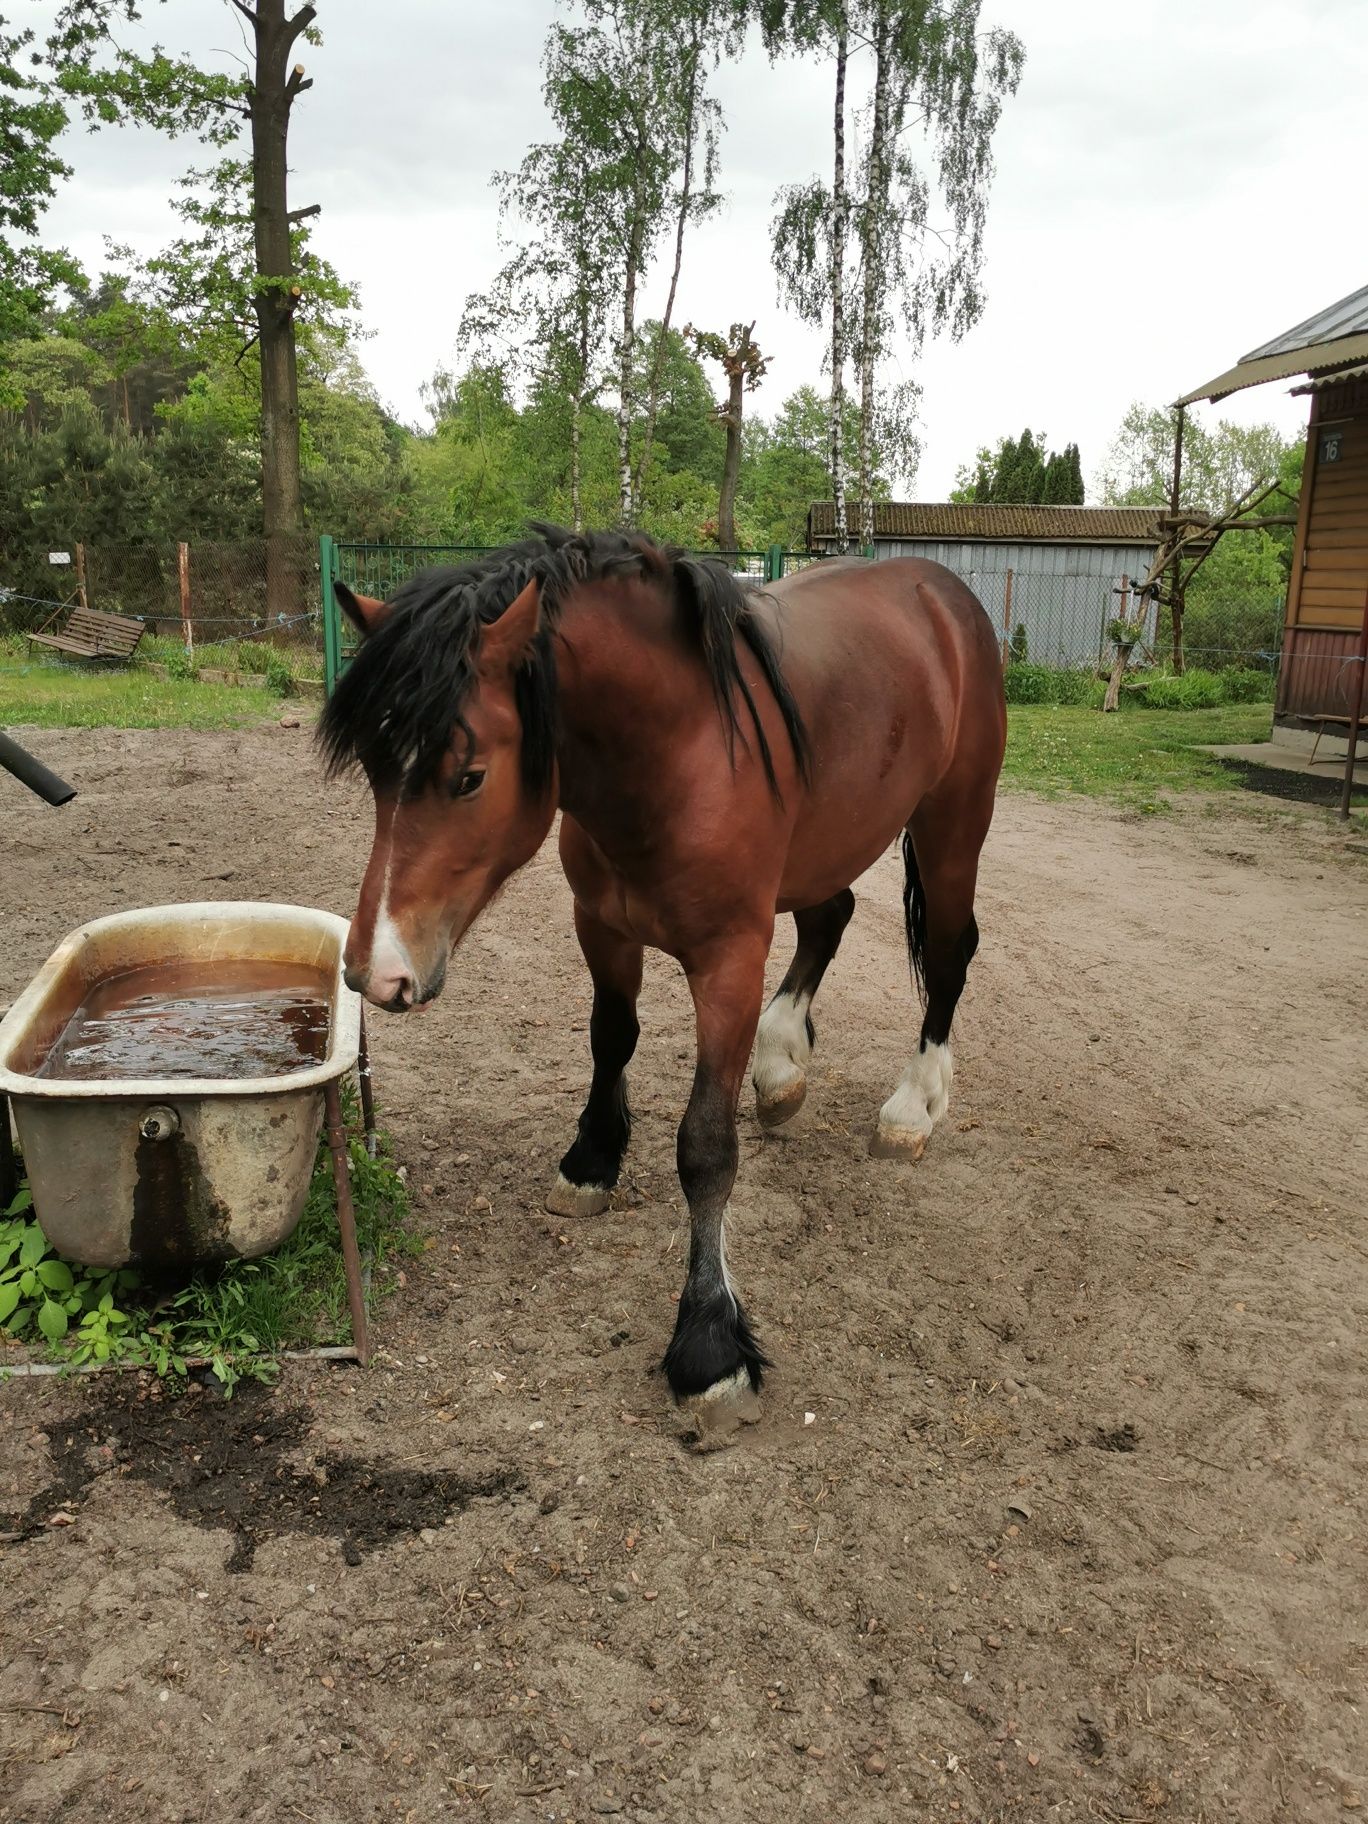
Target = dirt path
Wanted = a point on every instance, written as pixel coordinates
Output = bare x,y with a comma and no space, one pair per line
1125,1292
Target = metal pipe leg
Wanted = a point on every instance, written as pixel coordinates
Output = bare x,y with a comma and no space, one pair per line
363,1072
346,1219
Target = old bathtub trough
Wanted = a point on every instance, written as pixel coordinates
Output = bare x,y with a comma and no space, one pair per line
169,1071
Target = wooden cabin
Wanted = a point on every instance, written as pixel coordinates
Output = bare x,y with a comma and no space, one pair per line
1326,594
1329,582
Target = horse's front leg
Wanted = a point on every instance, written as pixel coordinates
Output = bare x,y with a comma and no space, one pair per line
590,1169
714,1363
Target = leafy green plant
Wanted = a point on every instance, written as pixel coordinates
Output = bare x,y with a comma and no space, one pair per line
41,1291
1028,683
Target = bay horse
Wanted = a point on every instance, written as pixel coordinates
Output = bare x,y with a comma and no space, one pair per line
718,755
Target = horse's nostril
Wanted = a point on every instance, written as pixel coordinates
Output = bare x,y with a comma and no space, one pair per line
354,979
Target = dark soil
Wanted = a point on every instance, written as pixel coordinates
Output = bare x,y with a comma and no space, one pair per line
226,1469
1057,1507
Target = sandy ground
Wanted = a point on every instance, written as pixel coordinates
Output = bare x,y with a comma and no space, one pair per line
1075,1530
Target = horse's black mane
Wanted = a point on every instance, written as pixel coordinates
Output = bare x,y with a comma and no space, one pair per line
400,702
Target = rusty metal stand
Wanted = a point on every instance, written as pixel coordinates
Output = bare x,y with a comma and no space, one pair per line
363,1072
346,1219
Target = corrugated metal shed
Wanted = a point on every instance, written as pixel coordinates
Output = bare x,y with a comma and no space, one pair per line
1332,339
948,520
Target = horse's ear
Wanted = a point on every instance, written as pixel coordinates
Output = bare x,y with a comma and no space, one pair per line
363,611
505,643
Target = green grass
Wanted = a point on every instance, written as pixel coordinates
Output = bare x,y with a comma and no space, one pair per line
73,696
1136,757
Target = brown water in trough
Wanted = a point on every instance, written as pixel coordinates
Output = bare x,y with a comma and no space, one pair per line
197,1019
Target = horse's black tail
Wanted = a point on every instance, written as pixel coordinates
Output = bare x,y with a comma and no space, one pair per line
914,914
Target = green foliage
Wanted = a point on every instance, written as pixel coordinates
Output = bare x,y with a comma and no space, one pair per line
1028,683
1220,462
1199,689
32,119
40,1292
237,1318
1022,470
1017,650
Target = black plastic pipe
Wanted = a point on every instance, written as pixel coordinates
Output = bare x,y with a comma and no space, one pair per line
32,773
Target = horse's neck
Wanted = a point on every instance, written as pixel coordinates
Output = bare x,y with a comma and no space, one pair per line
627,690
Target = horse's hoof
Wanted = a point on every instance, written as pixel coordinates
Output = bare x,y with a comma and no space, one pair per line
897,1143
566,1199
719,1412
775,1110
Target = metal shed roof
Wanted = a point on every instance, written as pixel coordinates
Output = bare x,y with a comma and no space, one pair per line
951,521
1333,338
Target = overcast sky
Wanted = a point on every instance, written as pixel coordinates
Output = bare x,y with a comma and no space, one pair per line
1177,183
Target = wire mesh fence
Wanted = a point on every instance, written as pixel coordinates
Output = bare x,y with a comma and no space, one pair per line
236,609
239,606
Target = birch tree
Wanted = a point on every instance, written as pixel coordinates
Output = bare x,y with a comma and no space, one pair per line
811,228
892,244
937,91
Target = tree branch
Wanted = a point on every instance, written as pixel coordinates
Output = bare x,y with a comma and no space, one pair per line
298,83
301,22
247,13
298,215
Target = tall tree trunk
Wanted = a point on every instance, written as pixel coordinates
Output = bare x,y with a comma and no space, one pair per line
577,509
626,349
272,94
731,466
681,222
839,210
876,188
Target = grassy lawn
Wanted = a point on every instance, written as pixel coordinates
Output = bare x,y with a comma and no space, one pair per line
71,696
1137,756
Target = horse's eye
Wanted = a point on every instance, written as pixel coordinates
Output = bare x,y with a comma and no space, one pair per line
467,783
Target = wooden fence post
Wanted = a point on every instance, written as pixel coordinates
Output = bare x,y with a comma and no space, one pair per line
1007,621
81,576
187,626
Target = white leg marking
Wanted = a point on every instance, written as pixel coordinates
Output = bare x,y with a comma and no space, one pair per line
782,1051
919,1101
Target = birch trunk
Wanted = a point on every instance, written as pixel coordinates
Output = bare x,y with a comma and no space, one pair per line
875,204
839,211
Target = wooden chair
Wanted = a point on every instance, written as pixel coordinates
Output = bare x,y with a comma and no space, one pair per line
87,633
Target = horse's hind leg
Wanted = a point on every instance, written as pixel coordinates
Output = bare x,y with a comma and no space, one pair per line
940,855
590,1169
784,1041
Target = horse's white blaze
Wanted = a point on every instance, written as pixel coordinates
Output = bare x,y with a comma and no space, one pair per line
922,1095
782,1047
390,964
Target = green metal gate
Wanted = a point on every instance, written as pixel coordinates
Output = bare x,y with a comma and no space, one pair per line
378,570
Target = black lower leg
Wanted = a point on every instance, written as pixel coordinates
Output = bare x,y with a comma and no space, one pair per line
947,965
712,1341
820,929
595,1158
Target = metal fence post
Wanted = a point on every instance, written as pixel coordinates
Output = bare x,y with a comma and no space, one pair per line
774,563
332,643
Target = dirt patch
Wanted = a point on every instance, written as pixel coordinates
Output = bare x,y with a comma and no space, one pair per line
918,1589
223,1465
